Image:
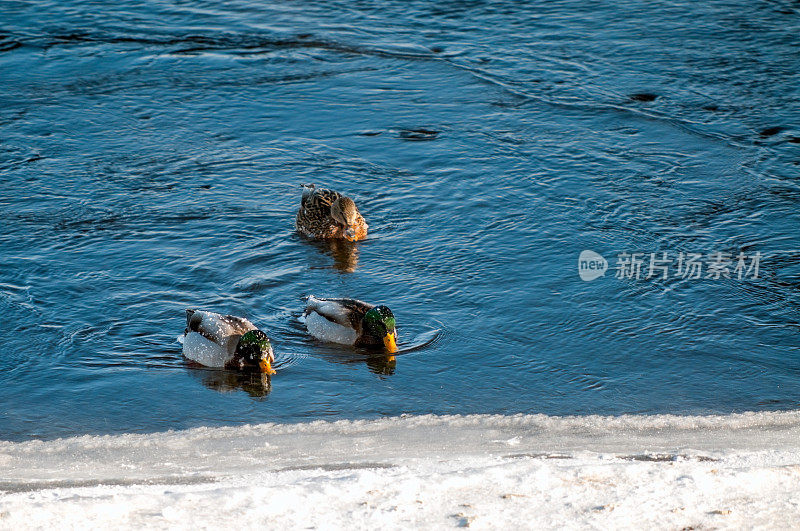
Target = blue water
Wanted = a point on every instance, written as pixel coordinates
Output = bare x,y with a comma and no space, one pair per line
151,157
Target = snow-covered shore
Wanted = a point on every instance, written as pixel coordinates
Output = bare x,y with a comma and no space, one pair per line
529,471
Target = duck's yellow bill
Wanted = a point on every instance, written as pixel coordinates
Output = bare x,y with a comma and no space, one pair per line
266,367
390,342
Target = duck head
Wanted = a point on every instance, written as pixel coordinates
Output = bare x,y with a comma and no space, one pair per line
254,352
379,328
344,211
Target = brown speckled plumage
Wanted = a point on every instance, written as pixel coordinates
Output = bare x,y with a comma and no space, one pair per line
319,209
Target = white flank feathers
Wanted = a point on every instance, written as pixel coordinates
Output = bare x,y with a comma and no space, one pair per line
205,352
326,330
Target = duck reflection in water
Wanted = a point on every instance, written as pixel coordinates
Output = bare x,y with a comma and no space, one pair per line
343,252
382,364
255,384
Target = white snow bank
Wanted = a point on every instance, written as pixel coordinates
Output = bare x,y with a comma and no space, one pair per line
528,471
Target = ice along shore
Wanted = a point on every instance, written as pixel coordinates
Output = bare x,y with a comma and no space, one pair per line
481,471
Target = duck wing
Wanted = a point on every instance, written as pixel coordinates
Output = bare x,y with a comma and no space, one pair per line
318,199
315,208
217,327
345,312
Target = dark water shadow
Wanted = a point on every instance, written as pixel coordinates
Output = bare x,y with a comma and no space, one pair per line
667,458
14,487
333,467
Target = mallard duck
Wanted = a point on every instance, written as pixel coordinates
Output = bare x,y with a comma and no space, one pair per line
326,214
216,340
351,322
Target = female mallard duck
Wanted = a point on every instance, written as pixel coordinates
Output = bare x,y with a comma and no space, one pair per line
216,340
351,322
327,214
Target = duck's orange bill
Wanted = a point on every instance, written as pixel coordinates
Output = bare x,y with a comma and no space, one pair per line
390,342
266,367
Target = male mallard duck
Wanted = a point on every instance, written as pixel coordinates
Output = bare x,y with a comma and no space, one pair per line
216,340
327,214
351,322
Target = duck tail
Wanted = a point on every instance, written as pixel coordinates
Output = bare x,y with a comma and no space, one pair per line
308,190
311,302
189,313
